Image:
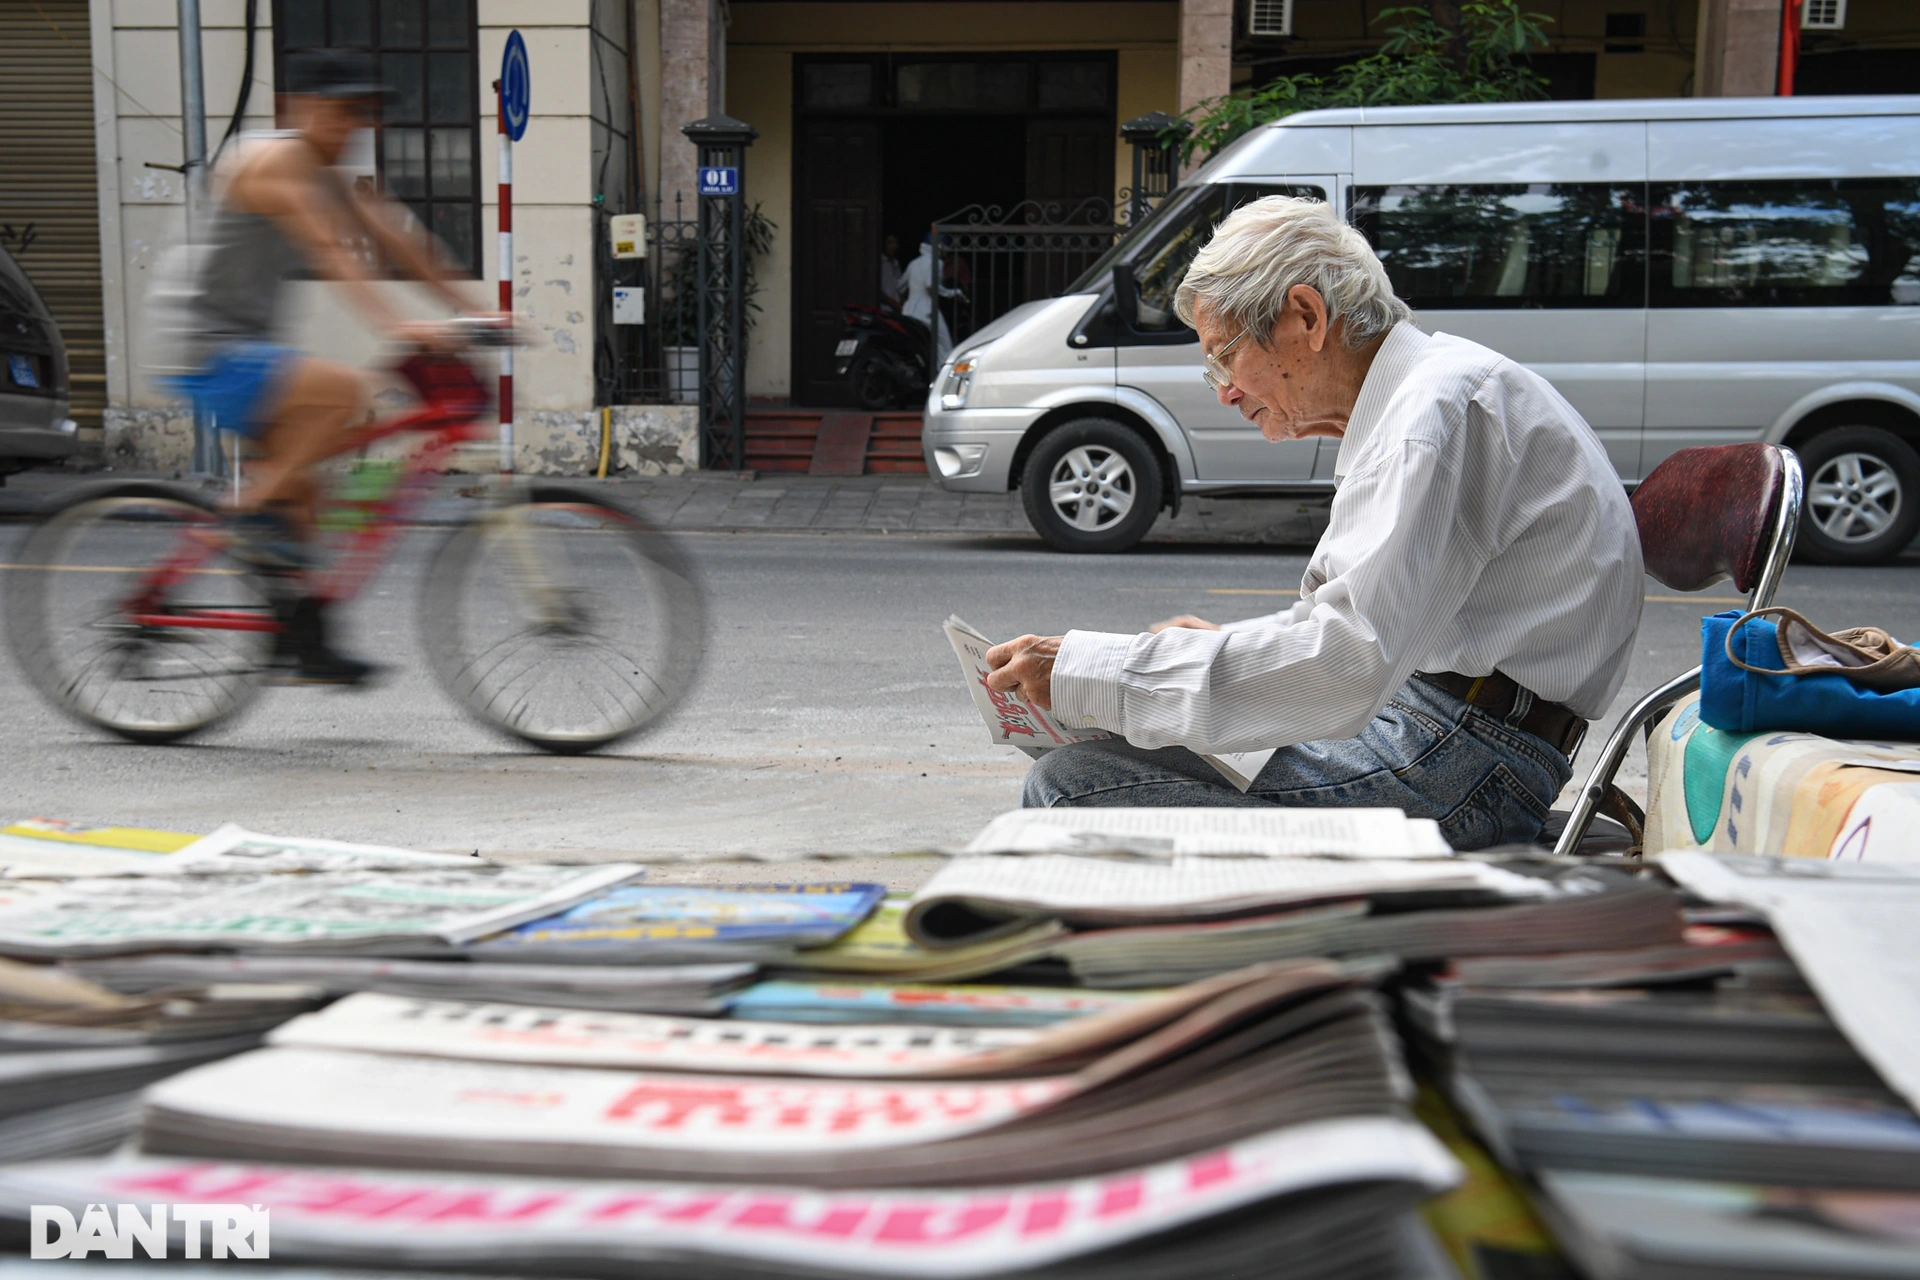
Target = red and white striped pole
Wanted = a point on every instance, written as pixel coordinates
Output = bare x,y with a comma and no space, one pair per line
506,278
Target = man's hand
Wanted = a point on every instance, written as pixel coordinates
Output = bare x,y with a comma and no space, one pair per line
1186,620
1024,668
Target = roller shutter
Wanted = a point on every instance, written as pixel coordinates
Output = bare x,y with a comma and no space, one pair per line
49,178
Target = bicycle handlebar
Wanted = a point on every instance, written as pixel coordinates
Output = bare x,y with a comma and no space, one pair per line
486,331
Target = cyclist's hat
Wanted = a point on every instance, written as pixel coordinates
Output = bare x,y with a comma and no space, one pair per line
335,73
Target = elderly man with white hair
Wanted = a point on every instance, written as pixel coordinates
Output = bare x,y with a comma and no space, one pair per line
1472,604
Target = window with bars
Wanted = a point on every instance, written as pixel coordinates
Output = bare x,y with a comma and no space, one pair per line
427,143
1823,15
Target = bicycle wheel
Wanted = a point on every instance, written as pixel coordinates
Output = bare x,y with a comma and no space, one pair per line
88,600
562,620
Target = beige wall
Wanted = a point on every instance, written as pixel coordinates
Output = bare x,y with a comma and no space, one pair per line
136,46
764,37
553,176
1663,69
136,57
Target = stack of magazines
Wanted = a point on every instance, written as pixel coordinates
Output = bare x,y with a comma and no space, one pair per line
1693,1111
1209,1045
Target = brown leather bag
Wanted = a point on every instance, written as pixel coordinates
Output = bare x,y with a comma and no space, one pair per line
1867,656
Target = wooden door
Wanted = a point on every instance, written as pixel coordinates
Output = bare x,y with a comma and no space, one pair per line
837,245
1069,161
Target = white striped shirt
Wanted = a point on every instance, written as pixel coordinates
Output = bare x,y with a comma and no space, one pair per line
1478,526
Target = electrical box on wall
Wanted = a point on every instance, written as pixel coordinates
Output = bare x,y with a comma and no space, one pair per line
629,304
629,235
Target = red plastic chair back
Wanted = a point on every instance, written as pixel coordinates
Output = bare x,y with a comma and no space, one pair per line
1707,514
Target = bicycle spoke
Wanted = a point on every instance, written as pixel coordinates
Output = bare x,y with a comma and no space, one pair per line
561,623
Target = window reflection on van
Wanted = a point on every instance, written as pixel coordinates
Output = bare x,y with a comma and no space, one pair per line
1510,245
1162,264
1799,243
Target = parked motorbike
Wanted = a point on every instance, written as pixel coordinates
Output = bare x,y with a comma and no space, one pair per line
885,358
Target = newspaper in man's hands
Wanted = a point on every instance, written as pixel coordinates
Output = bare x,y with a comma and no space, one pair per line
1014,722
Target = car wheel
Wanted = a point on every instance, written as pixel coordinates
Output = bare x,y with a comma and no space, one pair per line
1091,485
1863,496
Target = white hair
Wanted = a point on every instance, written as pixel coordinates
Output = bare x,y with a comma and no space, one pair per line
1266,247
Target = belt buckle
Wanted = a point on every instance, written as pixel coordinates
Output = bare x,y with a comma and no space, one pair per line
1578,735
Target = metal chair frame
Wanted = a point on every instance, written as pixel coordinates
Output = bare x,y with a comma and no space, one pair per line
1786,525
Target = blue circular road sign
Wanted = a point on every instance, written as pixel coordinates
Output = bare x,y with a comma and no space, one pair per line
515,85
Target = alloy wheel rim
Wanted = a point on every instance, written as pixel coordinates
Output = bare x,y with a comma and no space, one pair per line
1092,487
1855,497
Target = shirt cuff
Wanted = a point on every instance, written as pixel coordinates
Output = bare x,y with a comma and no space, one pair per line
1086,680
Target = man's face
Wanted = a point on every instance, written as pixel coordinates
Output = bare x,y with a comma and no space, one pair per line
329,122
1282,387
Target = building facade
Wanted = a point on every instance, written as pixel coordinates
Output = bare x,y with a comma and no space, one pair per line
874,118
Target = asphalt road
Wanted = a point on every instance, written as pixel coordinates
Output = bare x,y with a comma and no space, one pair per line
829,717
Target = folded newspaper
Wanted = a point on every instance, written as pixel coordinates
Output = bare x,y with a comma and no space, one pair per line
559,1037
51,847
1014,722
924,1004
1849,926
647,923
382,908
1164,833
1320,1195
1292,1049
651,988
973,899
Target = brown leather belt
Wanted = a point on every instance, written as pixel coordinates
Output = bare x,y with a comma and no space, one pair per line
1496,695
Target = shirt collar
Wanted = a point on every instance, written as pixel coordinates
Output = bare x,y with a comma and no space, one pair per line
1391,364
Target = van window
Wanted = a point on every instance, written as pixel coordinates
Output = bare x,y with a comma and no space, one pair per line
1543,244
1162,262
1810,242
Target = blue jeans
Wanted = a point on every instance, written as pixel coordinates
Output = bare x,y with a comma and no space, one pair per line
1427,752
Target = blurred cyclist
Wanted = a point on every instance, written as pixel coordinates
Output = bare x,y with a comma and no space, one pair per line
285,212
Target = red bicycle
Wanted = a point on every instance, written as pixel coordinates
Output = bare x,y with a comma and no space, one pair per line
553,615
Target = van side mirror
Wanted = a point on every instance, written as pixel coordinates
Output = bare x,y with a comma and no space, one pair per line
1126,294
1148,320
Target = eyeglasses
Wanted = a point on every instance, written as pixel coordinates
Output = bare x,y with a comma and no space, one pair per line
1214,370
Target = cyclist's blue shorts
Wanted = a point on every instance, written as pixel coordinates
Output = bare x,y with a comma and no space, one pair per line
239,384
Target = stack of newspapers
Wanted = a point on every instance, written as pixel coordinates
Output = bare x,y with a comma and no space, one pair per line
1698,1110
1105,1044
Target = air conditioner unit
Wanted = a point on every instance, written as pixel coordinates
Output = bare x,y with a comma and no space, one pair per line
1270,18
1823,15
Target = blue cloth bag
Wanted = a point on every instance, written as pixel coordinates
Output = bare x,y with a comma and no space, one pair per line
1740,701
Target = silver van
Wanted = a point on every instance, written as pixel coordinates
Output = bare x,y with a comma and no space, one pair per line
1688,271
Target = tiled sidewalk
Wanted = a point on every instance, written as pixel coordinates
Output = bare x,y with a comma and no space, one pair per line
791,503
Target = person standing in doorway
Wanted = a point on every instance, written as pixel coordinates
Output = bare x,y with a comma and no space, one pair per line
920,303
890,271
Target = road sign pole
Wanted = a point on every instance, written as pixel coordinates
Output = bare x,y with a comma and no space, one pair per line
506,277
510,98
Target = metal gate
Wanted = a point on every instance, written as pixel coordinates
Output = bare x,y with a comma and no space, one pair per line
987,261
49,189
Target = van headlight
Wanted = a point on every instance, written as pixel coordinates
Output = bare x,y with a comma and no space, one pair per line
956,460
957,383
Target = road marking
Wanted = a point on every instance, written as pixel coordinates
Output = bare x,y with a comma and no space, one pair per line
109,568
1288,591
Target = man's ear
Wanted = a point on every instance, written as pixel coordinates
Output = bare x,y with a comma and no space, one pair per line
1310,312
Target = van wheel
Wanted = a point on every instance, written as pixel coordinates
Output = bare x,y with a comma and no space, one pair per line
1863,496
1091,485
